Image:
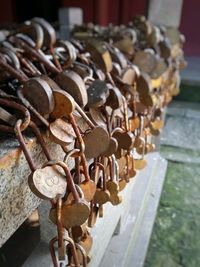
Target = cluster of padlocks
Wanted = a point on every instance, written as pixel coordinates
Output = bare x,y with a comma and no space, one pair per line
101,97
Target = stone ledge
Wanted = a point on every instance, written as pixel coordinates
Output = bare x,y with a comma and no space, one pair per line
135,216
17,201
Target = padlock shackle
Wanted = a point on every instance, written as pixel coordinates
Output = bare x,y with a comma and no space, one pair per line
82,147
60,229
127,125
23,143
111,163
40,138
83,253
85,117
73,251
18,74
101,167
22,109
78,134
36,53
70,49
23,146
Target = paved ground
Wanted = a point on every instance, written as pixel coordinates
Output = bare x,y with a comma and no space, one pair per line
175,240
190,75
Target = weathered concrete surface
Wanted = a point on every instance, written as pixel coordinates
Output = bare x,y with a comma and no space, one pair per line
17,201
159,11
184,109
181,132
182,126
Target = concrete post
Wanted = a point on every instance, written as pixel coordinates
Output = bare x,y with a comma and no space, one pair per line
165,12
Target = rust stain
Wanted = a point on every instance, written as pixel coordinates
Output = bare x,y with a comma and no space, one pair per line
14,155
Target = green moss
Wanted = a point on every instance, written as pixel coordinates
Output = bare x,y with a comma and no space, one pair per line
189,93
176,236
